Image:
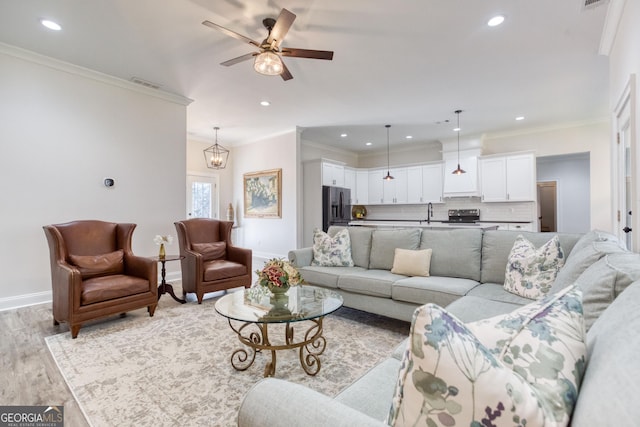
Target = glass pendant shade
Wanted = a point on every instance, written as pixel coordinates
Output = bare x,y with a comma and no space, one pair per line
216,156
268,63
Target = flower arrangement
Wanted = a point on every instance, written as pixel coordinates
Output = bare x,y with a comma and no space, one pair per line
161,240
279,273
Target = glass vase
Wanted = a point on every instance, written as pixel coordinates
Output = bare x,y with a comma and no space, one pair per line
162,253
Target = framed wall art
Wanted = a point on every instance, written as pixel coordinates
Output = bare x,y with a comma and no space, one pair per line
263,194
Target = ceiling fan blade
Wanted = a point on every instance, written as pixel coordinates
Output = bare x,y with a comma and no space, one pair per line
307,53
230,33
239,59
285,74
281,28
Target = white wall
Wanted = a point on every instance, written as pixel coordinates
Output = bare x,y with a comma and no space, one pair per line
416,153
591,137
268,237
312,151
572,176
63,130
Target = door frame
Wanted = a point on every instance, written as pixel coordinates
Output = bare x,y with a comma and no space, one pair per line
624,115
214,178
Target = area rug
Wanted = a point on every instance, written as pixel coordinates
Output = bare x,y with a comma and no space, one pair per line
174,368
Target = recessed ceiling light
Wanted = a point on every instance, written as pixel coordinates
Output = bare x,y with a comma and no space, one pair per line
495,21
50,24
520,118
409,137
368,143
456,129
343,135
265,103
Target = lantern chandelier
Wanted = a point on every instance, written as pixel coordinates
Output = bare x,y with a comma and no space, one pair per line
216,156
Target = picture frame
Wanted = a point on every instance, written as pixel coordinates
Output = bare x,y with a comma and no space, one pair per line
263,194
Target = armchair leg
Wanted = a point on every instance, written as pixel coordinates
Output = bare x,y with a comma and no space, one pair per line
55,322
200,297
151,309
74,331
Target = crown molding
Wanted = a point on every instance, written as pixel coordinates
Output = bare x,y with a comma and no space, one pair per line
542,129
56,64
611,23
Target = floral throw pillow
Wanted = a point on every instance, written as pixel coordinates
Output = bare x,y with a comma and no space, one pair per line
332,252
520,369
530,271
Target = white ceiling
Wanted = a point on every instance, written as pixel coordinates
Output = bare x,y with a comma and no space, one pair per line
409,63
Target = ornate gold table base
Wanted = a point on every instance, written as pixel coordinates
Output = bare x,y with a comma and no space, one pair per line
311,347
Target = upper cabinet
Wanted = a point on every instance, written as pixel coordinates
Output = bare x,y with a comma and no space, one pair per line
432,183
510,178
332,174
362,188
375,186
463,185
395,190
350,183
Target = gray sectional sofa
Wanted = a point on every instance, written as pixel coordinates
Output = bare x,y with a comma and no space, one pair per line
467,268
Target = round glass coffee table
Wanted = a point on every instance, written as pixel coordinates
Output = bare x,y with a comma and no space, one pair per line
251,312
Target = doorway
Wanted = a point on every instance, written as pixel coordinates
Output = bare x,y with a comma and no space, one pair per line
547,206
202,196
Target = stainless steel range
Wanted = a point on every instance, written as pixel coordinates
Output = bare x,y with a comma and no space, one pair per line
466,216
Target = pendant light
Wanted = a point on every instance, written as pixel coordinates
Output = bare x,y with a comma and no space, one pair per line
459,170
388,177
216,156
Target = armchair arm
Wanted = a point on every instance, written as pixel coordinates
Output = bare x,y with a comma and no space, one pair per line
240,255
301,257
142,267
270,403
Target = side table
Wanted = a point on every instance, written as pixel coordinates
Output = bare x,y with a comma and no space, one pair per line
164,287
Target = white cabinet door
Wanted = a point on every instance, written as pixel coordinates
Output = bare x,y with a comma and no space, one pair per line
362,187
375,186
401,182
332,174
465,184
493,179
432,177
350,183
521,177
414,184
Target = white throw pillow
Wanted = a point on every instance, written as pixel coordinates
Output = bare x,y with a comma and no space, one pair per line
531,272
522,368
332,252
412,263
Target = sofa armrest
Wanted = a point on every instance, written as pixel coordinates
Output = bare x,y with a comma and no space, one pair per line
301,257
277,403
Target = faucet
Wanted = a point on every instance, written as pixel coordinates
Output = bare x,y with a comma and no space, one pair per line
429,212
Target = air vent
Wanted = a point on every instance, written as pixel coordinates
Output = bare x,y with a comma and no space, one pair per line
145,83
591,4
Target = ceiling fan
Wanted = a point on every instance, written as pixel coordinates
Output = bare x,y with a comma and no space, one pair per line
268,60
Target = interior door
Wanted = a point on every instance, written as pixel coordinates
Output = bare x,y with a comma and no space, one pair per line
547,206
202,196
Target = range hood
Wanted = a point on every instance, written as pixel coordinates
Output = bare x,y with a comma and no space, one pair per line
466,184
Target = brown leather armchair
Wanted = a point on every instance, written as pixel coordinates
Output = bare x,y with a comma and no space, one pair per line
211,262
95,274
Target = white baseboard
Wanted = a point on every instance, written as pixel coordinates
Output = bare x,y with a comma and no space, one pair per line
9,303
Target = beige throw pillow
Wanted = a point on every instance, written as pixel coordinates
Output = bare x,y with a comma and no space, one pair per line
411,263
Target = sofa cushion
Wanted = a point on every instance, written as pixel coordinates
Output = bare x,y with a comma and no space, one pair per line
331,251
211,250
471,308
326,276
435,289
360,243
603,281
530,272
369,282
499,371
104,288
497,244
385,242
222,269
496,292
411,263
610,383
456,253
581,259
99,265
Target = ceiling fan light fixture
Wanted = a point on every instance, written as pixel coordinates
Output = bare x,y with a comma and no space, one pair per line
268,63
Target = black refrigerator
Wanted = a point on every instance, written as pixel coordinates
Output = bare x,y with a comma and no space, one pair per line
336,209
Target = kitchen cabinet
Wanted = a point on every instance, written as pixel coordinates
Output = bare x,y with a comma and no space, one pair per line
395,190
508,178
362,188
414,184
332,174
375,186
463,185
350,183
432,178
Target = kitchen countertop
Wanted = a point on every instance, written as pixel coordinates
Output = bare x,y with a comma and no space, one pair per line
423,224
